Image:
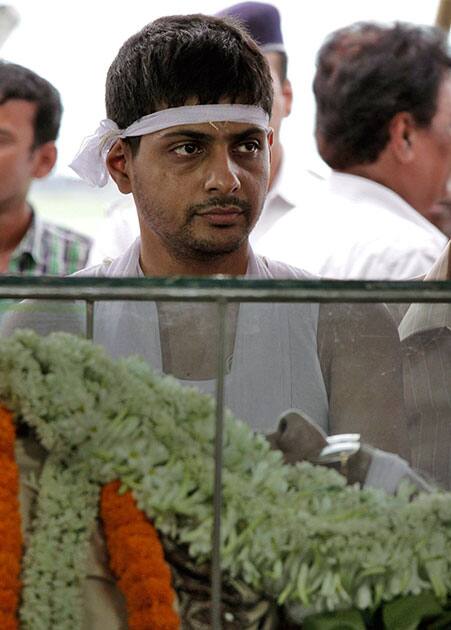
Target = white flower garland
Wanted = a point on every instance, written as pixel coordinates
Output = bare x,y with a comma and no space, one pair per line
55,562
296,533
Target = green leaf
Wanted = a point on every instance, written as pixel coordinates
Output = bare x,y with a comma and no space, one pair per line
346,620
406,613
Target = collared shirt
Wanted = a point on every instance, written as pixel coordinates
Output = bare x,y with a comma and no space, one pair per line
352,227
49,249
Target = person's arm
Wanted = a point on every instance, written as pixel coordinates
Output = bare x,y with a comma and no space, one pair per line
360,357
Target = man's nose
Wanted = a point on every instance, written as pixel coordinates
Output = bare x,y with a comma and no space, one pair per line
222,174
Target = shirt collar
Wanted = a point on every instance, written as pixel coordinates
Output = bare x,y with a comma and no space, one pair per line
32,242
362,189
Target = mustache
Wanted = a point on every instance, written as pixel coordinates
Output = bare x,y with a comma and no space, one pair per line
220,202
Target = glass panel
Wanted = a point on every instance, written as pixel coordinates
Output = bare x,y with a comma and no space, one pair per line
339,374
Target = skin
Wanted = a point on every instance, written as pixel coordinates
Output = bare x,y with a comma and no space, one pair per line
440,213
416,162
282,102
20,163
199,190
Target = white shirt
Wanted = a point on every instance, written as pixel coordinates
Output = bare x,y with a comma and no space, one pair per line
352,227
274,366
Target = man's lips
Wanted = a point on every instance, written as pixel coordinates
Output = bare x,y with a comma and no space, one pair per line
222,216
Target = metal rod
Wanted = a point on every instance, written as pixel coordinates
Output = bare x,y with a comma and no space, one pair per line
90,319
217,491
231,290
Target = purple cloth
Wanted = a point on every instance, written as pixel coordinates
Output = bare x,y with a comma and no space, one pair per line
261,20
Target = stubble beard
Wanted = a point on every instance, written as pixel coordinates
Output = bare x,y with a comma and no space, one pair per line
185,245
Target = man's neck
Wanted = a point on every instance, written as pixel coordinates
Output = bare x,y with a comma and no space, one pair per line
14,223
157,261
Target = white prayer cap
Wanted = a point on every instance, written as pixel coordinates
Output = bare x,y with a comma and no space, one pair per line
90,161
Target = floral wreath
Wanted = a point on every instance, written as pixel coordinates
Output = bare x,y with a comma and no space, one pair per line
143,444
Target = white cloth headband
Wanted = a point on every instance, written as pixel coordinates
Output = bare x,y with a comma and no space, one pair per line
90,161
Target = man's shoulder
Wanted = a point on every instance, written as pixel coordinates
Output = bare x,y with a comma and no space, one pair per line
125,265
278,270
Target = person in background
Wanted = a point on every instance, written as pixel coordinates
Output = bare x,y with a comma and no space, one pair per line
383,99
263,23
425,333
30,115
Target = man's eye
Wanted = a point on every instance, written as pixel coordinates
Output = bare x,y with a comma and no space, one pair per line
250,146
188,148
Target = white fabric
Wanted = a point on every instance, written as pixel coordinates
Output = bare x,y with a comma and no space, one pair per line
89,163
121,226
421,317
274,366
351,227
282,198
386,471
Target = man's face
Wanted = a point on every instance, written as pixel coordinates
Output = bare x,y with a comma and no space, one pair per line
199,188
17,164
434,155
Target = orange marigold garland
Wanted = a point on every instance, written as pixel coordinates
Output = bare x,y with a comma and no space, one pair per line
137,560
10,527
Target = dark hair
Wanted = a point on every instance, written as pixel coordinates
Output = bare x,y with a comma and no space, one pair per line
17,82
181,57
366,73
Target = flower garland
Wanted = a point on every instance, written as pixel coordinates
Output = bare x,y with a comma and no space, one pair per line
295,533
10,531
137,560
54,563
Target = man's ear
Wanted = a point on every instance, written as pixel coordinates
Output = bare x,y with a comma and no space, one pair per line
118,163
287,92
403,136
270,136
44,159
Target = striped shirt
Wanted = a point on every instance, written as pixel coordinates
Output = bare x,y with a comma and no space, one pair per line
49,249
426,340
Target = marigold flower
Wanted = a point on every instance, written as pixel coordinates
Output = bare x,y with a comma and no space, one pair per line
137,560
10,525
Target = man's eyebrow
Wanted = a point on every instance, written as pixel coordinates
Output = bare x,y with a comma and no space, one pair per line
182,133
251,131
199,135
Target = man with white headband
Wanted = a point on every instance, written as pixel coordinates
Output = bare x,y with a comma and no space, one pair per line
287,180
188,100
